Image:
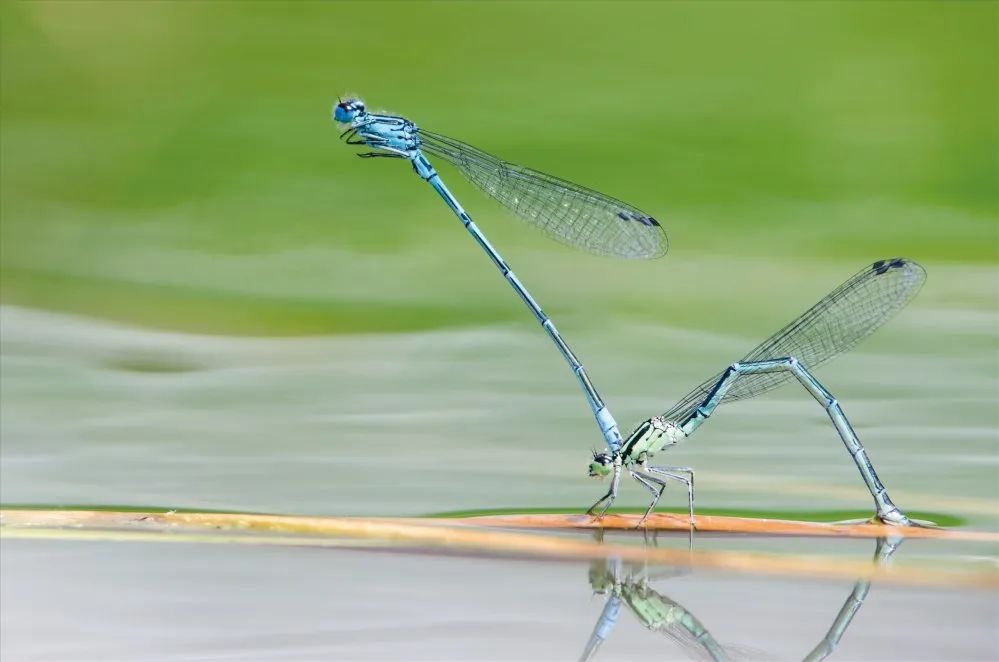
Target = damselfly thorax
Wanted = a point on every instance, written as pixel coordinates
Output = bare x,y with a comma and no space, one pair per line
395,136
650,437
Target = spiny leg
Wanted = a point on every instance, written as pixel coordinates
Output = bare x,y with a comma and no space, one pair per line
592,511
350,140
887,512
673,472
608,498
647,482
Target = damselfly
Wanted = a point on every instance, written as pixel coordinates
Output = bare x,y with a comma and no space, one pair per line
569,213
835,324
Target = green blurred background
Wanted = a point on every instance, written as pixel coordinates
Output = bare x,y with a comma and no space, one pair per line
173,164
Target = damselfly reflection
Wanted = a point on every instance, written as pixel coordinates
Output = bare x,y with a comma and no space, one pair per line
628,587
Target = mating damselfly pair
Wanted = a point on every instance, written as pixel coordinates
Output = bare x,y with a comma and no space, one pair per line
592,221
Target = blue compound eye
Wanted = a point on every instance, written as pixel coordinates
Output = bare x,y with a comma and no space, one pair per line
346,111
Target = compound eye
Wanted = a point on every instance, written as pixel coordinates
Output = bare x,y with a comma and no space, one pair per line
347,111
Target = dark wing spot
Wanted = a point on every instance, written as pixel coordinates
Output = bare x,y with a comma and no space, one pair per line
647,221
880,267
897,263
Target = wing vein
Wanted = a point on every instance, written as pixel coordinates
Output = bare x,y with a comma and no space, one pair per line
843,318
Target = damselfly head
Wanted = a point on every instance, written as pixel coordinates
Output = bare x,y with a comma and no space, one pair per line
345,111
601,465
601,577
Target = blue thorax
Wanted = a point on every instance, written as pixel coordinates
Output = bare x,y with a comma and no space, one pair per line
387,132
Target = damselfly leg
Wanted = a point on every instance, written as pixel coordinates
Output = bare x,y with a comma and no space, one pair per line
657,486
652,484
674,473
604,502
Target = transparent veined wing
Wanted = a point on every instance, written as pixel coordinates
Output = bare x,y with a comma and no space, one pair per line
569,213
847,315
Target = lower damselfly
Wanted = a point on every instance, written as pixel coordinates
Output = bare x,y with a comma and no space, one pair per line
847,315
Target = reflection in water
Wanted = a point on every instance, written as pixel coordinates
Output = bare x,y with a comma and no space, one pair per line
655,611
885,548
628,584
